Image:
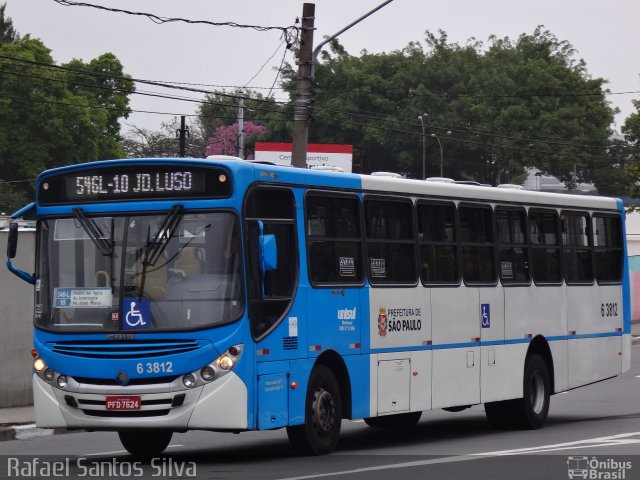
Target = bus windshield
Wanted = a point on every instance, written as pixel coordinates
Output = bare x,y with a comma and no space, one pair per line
172,271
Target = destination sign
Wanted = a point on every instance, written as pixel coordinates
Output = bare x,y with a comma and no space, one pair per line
135,183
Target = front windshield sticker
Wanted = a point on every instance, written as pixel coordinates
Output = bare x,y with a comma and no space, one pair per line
82,297
136,313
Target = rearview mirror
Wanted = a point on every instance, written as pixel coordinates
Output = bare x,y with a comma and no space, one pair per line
268,252
12,241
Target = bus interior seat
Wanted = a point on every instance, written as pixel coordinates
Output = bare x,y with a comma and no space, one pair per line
188,262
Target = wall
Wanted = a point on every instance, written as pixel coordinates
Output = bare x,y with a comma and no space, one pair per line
16,324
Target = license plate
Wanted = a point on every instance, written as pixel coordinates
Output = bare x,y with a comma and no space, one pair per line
123,403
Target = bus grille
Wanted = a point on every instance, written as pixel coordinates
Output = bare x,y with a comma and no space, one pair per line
124,350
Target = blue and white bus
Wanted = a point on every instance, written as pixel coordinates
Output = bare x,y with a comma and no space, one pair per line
225,295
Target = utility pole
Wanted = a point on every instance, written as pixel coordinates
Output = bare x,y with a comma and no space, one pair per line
183,133
301,108
306,77
241,127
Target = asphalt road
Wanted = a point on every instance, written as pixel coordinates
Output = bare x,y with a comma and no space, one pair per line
593,430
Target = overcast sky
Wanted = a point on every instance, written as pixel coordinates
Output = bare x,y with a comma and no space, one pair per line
606,34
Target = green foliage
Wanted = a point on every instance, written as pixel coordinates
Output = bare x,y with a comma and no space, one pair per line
221,109
52,117
11,198
507,105
7,33
631,132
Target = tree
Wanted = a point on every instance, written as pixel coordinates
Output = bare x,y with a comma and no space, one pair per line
143,143
7,33
11,198
631,132
220,108
224,140
50,116
508,105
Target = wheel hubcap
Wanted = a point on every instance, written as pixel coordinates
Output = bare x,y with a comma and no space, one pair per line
537,392
324,411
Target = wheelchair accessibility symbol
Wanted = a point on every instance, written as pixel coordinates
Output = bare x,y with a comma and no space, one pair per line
485,315
137,314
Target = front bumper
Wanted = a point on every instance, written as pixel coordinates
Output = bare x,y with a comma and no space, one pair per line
219,405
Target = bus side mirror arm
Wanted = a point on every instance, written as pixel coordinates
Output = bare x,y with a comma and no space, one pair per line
12,246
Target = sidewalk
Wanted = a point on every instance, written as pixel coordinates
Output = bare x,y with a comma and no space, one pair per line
19,422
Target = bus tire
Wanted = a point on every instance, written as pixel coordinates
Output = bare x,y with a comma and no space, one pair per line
145,444
323,415
399,421
532,410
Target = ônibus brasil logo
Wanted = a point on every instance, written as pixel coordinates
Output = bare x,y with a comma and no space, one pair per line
382,322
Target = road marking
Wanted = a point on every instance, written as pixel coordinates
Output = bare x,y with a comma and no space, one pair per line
418,463
118,451
612,440
637,376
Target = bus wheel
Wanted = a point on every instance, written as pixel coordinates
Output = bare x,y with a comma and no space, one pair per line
323,415
529,412
533,408
145,443
399,421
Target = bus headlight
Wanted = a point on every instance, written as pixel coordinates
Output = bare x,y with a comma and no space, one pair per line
39,365
48,374
62,381
207,373
189,380
216,369
225,362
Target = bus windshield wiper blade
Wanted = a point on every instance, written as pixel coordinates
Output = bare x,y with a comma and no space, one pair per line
165,232
95,234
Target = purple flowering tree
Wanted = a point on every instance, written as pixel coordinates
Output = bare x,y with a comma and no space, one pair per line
224,140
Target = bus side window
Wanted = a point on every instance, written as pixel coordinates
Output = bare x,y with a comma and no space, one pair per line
607,242
438,243
513,252
545,246
476,238
576,240
390,241
270,294
334,244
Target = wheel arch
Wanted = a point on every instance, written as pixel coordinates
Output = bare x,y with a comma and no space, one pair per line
332,360
540,346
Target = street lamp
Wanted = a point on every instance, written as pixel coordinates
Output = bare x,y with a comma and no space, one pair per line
441,150
424,146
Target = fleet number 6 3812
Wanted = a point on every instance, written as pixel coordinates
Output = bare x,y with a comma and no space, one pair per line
155,367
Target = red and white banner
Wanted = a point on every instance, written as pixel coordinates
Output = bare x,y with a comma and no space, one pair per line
317,154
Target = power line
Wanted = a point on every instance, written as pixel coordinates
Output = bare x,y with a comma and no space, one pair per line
469,142
143,93
265,64
463,130
291,32
136,80
375,116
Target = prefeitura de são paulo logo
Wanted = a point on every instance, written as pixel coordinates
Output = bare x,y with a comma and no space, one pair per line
382,322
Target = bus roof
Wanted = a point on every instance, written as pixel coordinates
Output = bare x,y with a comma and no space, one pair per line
270,173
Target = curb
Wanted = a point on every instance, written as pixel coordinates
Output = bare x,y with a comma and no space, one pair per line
24,432
29,430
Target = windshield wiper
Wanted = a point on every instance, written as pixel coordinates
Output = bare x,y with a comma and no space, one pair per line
94,232
165,232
